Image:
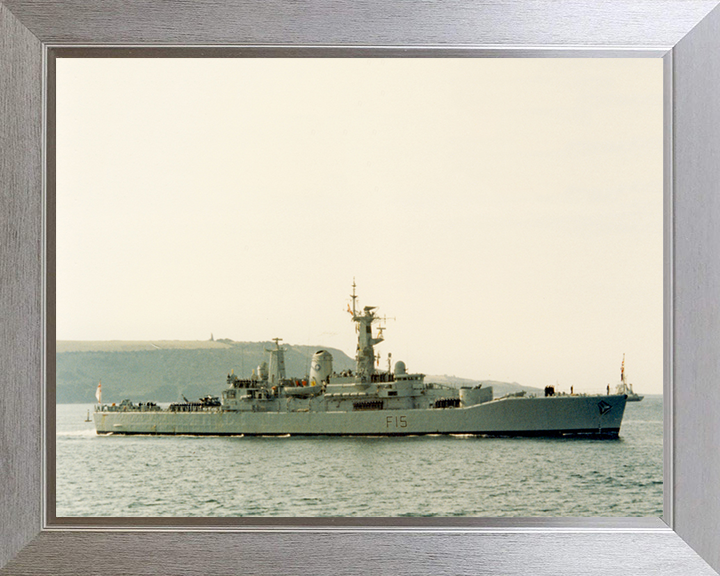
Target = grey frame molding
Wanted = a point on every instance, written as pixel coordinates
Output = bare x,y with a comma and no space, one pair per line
685,33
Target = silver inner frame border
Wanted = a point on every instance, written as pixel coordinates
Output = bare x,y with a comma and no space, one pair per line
50,522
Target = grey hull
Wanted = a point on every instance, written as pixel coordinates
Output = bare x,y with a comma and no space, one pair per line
546,416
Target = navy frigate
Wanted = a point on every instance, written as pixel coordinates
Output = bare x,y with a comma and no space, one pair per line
364,402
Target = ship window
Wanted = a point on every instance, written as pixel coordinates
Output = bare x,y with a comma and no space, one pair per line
392,393
367,329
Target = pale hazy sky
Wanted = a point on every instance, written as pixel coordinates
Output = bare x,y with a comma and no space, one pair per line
506,212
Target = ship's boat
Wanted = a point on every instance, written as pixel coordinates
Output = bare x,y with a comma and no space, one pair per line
365,401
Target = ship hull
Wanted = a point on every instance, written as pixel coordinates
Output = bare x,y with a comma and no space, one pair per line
598,416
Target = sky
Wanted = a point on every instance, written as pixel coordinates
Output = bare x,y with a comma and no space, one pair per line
506,215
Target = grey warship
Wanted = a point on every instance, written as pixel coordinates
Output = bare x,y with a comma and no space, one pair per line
364,402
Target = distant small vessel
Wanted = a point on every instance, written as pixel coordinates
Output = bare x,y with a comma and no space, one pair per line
625,387
88,419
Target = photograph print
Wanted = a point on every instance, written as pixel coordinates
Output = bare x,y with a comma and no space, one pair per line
374,287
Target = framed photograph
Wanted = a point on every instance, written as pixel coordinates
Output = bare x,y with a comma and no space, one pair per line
487,206
44,46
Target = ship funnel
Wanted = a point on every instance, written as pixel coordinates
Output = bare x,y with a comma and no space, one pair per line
276,372
320,367
262,371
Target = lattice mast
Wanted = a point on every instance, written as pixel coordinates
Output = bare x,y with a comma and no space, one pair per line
365,354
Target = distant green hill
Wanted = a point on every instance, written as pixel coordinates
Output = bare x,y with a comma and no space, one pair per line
163,371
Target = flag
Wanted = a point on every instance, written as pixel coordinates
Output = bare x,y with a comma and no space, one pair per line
98,393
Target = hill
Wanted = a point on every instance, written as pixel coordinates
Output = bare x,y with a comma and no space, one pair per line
165,370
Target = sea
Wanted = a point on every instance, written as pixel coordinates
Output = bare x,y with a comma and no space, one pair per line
416,476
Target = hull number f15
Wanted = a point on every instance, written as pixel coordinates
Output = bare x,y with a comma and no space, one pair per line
396,422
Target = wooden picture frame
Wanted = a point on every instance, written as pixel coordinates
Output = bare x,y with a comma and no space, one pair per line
686,34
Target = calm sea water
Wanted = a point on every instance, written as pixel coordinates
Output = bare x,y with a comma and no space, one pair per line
336,476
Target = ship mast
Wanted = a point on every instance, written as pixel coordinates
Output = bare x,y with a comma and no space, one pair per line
365,355
354,297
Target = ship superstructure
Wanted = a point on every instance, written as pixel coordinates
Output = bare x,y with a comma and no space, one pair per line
365,401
